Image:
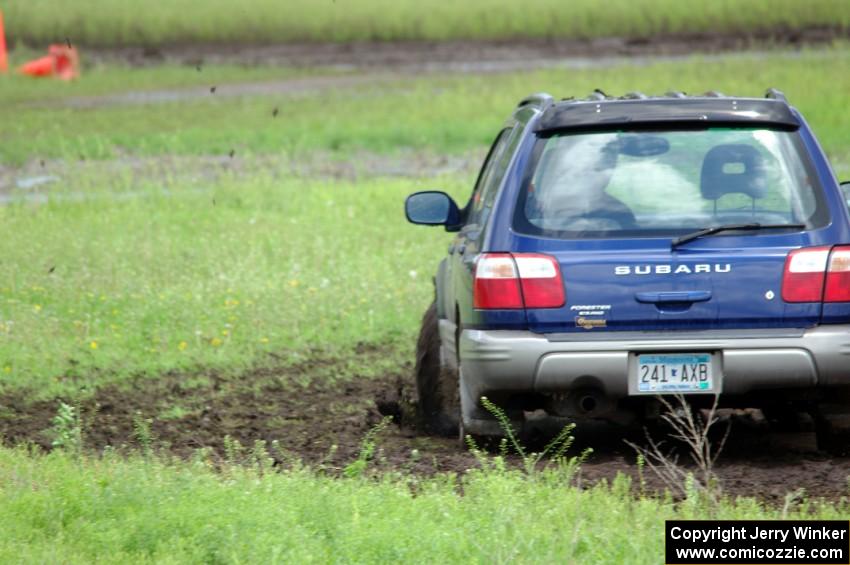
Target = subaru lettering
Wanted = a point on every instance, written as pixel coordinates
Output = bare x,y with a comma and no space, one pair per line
671,269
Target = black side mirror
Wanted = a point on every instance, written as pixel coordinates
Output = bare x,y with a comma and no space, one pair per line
845,188
432,208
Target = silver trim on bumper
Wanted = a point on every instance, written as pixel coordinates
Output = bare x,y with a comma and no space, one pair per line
500,360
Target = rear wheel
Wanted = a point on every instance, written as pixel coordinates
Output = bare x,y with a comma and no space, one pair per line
832,421
437,385
832,429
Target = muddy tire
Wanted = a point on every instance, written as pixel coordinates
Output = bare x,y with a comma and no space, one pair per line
832,438
828,441
832,423
439,406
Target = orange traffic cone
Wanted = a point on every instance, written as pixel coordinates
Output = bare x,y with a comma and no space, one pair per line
4,63
61,62
41,67
66,63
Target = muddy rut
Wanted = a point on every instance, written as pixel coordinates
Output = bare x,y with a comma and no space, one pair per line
321,420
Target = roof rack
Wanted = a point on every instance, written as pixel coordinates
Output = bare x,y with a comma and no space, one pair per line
775,94
599,95
542,99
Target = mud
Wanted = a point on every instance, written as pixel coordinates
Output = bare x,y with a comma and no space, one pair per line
468,55
379,63
322,420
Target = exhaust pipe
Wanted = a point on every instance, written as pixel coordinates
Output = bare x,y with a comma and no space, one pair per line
588,403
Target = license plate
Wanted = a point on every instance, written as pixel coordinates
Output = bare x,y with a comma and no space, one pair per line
674,373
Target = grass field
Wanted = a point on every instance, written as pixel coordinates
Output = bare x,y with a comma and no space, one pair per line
160,254
184,270
55,508
159,280
113,22
110,79
440,113
213,276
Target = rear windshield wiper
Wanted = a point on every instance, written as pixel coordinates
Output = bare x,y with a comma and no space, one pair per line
730,227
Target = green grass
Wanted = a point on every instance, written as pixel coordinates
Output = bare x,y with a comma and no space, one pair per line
99,79
439,113
222,269
216,276
54,508
115,22
129,270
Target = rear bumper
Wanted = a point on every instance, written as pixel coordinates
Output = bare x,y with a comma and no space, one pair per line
748,360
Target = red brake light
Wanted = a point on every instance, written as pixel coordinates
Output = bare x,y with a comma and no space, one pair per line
805,270
540,276
837,287
496,282
505,281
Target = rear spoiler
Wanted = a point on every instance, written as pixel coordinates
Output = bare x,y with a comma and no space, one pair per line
669,113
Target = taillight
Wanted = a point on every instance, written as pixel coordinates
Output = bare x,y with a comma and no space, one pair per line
804,274
837,288
496,282
504,281
540,276
814,274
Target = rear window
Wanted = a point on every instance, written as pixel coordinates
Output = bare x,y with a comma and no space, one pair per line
655,183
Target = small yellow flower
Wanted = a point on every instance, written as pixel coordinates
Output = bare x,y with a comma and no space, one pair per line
225,333
182,346
7,369
37,307
93,345
264,340
294,283
215,342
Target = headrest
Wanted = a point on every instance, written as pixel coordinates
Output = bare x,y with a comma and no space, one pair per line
733,168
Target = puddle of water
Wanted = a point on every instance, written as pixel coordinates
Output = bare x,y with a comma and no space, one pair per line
79,196
26,183
132,177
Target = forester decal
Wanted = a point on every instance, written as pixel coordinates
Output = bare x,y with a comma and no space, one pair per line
591,309
666,269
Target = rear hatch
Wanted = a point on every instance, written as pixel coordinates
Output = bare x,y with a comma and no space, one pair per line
621,211
650,288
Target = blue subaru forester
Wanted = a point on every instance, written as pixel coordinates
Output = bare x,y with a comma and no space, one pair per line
617,249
